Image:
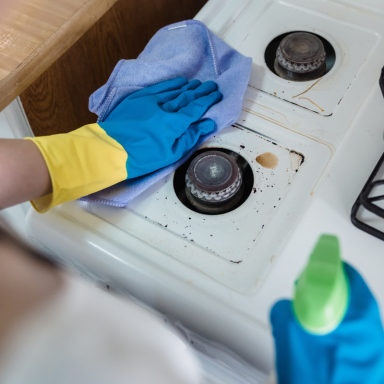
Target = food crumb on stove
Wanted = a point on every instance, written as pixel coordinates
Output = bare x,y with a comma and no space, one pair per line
166,226
262,226
254,190
242,146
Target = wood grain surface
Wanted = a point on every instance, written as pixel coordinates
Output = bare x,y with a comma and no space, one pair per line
57,101
35,33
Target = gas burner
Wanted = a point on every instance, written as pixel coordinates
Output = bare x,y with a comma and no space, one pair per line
300,57
215,181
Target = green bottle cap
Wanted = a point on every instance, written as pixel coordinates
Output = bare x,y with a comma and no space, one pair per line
321,293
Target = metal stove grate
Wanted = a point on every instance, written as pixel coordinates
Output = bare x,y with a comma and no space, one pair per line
369,198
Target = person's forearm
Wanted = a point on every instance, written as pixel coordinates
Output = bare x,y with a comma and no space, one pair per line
24,175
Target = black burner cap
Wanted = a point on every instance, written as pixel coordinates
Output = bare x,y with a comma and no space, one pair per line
301,52
302,47
213,171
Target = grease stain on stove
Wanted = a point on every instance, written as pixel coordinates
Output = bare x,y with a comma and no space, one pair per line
306,98
296,159
268,160
302,93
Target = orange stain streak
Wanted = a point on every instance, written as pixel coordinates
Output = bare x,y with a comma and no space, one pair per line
302,93
269,109
306,98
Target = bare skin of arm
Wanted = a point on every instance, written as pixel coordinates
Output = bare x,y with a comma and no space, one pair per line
24,175
25,282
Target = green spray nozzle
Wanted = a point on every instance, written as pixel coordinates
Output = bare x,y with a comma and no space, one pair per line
321,293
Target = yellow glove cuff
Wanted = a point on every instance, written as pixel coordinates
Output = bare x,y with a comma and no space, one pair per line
81,162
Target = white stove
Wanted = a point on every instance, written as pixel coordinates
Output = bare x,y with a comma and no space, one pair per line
220,274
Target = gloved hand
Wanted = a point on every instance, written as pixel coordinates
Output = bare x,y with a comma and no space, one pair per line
158,125
148,130
353,353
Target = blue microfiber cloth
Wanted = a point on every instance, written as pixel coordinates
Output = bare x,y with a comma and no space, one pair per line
186,49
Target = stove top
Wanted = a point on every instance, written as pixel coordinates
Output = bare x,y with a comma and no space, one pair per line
218,273
234,248
299,124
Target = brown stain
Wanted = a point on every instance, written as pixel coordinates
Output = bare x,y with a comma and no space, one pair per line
291,102
306,98
264,117
263,106
302,93
314,138
272,258
268,160
296,159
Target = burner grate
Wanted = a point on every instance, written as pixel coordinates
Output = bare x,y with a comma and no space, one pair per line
370,201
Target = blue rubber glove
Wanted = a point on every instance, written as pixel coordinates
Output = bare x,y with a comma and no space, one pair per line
351,354
159,124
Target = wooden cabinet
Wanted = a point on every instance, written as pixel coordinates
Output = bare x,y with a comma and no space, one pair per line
57,101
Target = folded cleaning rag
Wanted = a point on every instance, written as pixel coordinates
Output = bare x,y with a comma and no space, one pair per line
186,49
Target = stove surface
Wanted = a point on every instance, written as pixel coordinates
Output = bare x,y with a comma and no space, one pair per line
223,285
301,123
234,248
